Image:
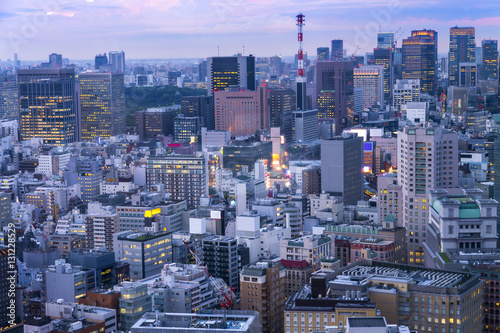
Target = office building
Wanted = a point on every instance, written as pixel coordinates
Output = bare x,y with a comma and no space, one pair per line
134,303
117,61
185,177
462,49
420,59
305,124
323,54
371,80
55,60
9,101
337,77
241,154
385,57
5,209
102,105
86,171
100,225
224,72
242,112
427,159
146,252
311,180
426,300
337,50
385,40
281,106
389,194
416,112
153,122
101,261
342,166
100,60
214,321
460,223
298,274
48,109
220,256
405,91
311,248
467,74
199,106
263,290
186,128
68,282
489,51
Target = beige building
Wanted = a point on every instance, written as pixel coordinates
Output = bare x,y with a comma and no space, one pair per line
298,273
311,248
262,289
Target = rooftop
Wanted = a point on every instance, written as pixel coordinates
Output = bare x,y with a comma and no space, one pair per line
367,322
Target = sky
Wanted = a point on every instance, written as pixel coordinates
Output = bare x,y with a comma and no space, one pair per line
80,29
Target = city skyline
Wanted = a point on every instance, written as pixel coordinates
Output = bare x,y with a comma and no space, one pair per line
198,29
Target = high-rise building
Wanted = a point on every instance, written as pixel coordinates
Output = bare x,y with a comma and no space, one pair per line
9,101
100,225
275,66
311,180
145,251
242,112
100,60
220,256
237,71
305,125
385,40
489,68
186,128
371,80
5,209
462,49
496,162
263,288
385,57
55,60
102,105
185,177
86,171
467,74
281,106
153,122
427,159
420,59
337,50
337,77
323,53
117,61
201,107
342,166
405,91
48,108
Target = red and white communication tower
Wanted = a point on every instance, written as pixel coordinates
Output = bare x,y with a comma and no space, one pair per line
301,78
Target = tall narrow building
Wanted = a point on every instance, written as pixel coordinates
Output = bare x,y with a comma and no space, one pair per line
102,105
462,49
420,59
281,106
9,101
385,57
224,72
337,77
427,159
117,61
337,52
48,109
489,50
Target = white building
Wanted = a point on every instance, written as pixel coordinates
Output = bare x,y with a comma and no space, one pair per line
416,112
405,91
371,80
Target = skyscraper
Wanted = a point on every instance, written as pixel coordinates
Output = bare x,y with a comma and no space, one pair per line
47,105
337,77
281,106
199,106
117,61
102,104
427,159
462,49
341,167
420,59
275,66
323,53
237,71
467,74
100,60
241,112
385,58
9,101
55,60
337,50
490,59
371,80
385,40
186,129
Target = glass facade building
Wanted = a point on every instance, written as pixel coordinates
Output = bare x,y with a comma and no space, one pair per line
462,49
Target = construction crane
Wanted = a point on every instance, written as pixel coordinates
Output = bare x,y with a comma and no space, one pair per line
219,284
355,51
397,35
